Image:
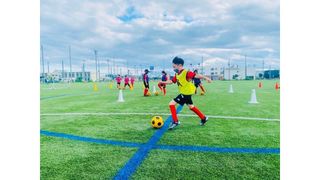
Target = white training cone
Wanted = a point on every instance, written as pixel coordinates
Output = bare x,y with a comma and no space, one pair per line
120,97
253,97
154,89
230,89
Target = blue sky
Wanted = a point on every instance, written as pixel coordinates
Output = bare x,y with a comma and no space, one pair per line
153,32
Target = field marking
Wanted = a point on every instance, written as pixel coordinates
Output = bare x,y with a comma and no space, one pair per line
219,149
148,113
88,139
162,146
131,166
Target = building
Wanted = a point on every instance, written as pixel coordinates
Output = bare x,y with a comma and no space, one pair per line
59,76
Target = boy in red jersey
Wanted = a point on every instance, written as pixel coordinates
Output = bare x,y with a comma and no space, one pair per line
145,80
118,79
183,78
126,81
131,81
197,83
162,86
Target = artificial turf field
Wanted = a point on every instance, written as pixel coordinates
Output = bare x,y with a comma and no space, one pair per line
75,110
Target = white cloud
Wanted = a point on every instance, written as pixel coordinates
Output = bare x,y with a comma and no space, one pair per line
213,29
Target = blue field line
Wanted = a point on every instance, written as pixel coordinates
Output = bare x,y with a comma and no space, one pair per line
130,167
219,149
87,139
164,147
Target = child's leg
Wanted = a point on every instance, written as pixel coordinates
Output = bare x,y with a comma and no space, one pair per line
172,106
164,91
202,88
197,111
160,86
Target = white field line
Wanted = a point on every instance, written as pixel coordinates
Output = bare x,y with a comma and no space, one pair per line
148,113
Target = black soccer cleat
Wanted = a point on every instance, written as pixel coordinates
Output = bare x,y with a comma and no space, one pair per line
173,125
203,121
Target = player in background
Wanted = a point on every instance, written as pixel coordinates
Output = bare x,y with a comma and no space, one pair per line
145,79
197,83
132,81
183,78
162,86
118,80
126,82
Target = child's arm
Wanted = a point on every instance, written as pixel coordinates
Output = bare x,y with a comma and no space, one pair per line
200,76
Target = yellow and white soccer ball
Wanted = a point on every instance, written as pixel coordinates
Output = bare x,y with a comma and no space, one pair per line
156,93
157,122
148,93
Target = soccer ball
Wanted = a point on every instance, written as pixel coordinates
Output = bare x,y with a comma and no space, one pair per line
157,122
202,93
156,93
148,93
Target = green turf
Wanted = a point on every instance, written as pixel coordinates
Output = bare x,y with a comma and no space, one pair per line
121,128
224,133
80,97
67,159
163,164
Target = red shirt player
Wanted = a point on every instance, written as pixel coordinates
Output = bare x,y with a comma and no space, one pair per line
132,81
145,79
118,79
126,81
162,86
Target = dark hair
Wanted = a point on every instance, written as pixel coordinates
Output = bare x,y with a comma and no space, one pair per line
146,70
164,72
178,60
195,71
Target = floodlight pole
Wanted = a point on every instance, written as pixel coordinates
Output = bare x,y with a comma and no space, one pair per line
48,67
95,56
70,75
202,65
245,68
83,70
62,70
263,69
98,69
229,70
42,59
269,71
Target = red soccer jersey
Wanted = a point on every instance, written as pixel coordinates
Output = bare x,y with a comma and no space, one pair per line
132,79
126,80
118,79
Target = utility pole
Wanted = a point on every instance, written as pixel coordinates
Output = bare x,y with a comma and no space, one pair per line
42,59
83,71
229,70
95,56
70,75
62,71
98,59
202,64
48,67
245,68
127,68
269,71
263,68
108,67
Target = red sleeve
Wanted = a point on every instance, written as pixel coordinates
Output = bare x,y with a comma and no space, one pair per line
174,79
190,75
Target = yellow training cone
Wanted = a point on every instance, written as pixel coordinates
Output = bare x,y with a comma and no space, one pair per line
95,87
